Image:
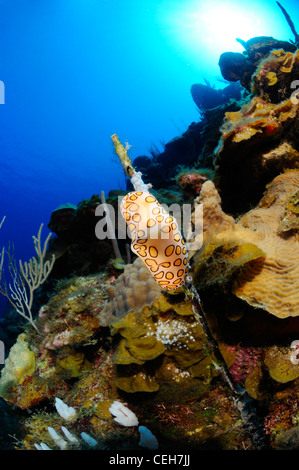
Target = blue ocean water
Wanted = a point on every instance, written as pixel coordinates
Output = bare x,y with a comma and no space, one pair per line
77,71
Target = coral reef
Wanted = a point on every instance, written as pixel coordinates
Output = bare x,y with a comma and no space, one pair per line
191,180
206,97
114,341
158,335
273,283
193,148
19,365
156,347
261,139
77,249
41,366
273,78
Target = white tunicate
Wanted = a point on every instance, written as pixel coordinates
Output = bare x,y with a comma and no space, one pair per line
123,415
42,446
69,435
88,439
147,439
65,411
59,441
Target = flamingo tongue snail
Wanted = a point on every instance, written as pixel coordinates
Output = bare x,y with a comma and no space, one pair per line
156,239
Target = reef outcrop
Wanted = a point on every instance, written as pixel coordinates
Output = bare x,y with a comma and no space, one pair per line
77,249
235,66
261,139
258,243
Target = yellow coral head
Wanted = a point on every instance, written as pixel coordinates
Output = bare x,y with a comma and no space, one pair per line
156,239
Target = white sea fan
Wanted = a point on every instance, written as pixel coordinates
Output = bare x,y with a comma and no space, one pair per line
123,415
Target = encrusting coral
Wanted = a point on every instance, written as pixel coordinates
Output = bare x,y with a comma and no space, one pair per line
127,336
191,180
19,365
275,74
290,218
269,257
275,379
272,285
77,249
274,367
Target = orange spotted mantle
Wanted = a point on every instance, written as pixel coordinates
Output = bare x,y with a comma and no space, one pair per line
156,239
